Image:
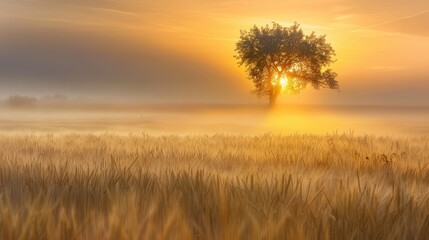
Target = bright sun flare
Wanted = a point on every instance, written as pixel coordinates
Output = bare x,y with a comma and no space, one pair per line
287,85
283,82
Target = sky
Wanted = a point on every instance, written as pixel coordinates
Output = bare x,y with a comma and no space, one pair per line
173,51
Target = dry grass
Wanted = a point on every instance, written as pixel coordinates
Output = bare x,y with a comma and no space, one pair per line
213,187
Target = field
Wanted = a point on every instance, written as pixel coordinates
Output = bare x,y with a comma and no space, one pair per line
56,183
213,187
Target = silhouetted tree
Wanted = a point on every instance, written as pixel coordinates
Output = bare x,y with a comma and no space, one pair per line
283,60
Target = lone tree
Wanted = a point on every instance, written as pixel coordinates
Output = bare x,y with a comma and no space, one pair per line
283,60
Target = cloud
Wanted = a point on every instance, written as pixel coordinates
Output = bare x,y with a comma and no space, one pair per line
182,50
49,60
399,16
345,17
415,24
387,68
412,24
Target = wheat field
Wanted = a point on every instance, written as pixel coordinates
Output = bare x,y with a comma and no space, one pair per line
107,186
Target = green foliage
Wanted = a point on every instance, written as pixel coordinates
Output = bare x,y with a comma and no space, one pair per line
270,52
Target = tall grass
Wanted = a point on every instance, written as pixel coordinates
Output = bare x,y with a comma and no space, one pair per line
213,187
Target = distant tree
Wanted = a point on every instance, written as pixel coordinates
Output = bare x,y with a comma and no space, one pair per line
21,101
57,98
283,60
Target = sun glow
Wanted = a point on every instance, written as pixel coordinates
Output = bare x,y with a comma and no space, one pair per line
288,84
283,81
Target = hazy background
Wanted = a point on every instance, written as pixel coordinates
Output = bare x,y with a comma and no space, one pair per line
181,51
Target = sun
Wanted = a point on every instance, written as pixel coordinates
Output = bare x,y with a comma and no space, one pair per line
284,82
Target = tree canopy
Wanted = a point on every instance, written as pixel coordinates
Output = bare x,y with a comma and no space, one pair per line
283,60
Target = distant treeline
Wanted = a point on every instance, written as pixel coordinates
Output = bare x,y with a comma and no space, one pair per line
18,101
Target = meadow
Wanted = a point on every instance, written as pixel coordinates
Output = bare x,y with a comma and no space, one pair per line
218,186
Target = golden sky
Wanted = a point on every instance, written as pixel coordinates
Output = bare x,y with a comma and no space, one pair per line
181,51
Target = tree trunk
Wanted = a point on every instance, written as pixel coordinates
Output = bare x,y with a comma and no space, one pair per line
272,100
273,96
